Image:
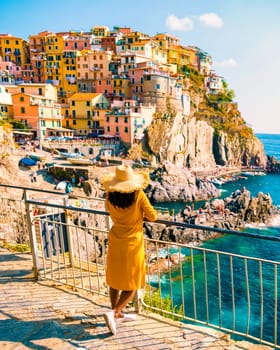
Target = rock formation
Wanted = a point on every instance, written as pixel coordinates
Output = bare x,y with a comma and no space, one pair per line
176,183
231,213
187,141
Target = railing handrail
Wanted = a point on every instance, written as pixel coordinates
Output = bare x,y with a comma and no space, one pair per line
160,221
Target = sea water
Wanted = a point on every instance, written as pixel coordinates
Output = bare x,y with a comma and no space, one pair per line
252,247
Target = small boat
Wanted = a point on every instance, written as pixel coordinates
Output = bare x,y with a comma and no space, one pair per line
80,161
217,182
41,157
27,162
248,173
66,155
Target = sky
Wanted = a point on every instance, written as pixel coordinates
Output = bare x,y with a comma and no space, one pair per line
241,36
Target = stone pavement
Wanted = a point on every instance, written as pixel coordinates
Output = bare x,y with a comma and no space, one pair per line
42,315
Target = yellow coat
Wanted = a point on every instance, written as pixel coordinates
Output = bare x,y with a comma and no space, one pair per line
125,259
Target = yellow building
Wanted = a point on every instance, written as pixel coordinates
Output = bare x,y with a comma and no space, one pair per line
166,40
120,86
128,39
52,64
14,49
85,113
100,31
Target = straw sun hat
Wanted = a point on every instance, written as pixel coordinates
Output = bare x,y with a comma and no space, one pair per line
125,180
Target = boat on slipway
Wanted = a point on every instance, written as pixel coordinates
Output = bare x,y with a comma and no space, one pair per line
37,156
68,155
80,161
26,161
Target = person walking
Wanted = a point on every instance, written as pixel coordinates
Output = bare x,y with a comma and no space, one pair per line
128,206
34,176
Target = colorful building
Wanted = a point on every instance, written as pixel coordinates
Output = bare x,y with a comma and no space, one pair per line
36,106
85,113
6,104
128,121
14,49
93,67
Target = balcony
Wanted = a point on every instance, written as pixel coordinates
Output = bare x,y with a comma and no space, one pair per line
42,283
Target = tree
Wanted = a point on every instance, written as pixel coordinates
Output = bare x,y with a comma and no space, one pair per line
18,125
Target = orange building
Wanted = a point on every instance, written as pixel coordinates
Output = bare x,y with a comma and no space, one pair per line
36,106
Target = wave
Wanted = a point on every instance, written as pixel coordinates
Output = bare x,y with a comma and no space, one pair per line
274,222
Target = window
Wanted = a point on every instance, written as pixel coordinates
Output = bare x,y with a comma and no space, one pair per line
125,119
73,103
108,128
107,119
22,90
126,129
74,122
88,114
40,91
117,129
88,103
116,119
21,98
74,113
22,110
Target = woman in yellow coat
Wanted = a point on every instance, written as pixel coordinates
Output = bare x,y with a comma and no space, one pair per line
128,206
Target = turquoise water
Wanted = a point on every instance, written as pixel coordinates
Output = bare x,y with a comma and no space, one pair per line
238,245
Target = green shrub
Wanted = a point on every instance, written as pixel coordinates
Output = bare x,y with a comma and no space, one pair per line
21,248
164,303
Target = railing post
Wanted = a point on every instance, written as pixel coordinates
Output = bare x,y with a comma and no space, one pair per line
69,233
138,300
32,235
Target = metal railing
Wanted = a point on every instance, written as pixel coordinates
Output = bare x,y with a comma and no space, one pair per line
229,291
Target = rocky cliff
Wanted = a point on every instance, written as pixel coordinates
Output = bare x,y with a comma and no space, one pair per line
193,143
8,167
214,133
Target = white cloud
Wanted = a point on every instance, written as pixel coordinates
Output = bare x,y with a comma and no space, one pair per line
211,20
179,24
231,62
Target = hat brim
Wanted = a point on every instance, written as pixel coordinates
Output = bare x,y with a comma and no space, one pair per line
139,181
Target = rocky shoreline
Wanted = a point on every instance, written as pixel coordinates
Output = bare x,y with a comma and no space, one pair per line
232,213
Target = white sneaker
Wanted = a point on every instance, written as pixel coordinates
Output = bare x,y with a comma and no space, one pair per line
127,318
109,318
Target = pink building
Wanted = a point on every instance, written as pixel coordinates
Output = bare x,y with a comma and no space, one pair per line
128,121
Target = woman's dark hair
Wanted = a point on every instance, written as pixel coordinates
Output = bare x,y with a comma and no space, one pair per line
121,200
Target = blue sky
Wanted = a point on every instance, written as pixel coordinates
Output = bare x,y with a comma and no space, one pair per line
242,36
